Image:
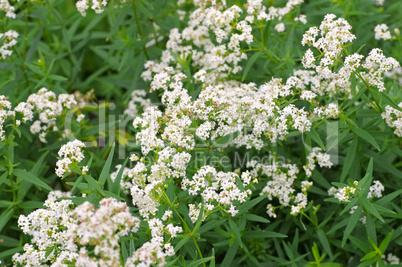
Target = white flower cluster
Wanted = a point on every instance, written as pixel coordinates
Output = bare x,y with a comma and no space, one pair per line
375,190
50,107
323,160
280,185
97,5
342,194
9,40
334,36
124,182
256,8
5,112
393,118
73,232
218,53
216,188
101,228
138,103
378,64
9,9
220,110
395,74
382,32
391,259
70,154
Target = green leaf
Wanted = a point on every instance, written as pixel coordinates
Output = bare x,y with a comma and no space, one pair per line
210,225
370,208
360,244
6,241
236,232
5,203
49,251
77,183
324,242
35,169
365,183
181,243
225,140
388,198
370,229
200,261
23,175
95,184
57,78
385,242
262,234
256,218
249,204
364,135
116,184
5,217
250,63
31,204
369,255
316,138
350,156
106,168
10,252
352,221
227,261
3,178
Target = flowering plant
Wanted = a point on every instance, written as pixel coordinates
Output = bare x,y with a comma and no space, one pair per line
268,133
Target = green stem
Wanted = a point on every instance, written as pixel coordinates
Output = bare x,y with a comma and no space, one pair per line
137,21
10,172
191,233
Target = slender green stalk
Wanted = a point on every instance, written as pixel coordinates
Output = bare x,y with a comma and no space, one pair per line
137,21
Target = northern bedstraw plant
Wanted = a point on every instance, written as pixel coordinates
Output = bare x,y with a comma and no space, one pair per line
268,133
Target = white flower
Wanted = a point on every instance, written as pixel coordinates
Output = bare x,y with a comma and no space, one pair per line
280,27
393,118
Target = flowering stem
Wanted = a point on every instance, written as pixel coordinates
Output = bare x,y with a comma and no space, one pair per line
191,233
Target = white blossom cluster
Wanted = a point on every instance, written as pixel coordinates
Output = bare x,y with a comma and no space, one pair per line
4,113
216,188
70,154
375,190
378,64
393,118
214,36
97,5
395,74
49,107
391,259
138,103
154,252
9,39
6,7
280,185
335,34
343,194
72,232
316,156
381,32
146,188
219,110
46,104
